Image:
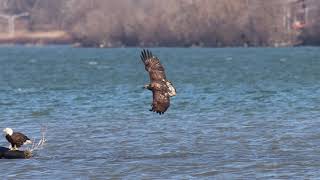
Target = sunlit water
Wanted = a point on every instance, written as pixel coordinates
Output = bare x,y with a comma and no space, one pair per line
239,113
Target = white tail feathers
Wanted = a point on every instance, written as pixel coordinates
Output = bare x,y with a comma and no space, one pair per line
172,90
28,142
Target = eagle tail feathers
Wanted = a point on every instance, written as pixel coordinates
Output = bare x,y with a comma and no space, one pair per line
28,142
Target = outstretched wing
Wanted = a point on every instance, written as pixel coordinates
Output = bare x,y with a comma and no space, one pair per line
161,97
153,66
161,101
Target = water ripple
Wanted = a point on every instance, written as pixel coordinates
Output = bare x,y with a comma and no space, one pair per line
239,114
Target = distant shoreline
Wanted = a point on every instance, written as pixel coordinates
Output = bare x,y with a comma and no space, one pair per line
64,38
37,38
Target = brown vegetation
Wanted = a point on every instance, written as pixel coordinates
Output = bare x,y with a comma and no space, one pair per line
110,23
177,23
311,33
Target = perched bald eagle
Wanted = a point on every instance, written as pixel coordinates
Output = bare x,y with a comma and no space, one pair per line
16,139
162,89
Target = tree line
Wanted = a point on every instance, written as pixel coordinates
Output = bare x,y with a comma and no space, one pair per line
217,23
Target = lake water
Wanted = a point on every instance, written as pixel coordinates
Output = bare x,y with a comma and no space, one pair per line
240,113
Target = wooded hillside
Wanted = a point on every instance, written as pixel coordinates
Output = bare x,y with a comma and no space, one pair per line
113,23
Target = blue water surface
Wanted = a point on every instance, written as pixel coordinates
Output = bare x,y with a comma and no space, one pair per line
240,113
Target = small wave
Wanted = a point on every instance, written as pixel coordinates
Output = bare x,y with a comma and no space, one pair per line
44,112
92,63
27,90
207,173
229,58
7,103
167,155
32,60
283,59
103,67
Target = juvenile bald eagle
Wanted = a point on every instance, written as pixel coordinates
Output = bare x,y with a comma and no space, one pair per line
162,89
16,139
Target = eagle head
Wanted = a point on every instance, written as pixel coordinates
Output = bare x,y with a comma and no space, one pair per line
8,131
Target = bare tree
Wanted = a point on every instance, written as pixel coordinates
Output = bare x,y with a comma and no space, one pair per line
11,21
167,23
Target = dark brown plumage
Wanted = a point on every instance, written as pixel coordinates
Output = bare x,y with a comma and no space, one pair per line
16,139
162,89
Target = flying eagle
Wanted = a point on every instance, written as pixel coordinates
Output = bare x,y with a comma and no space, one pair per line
162,89
16,139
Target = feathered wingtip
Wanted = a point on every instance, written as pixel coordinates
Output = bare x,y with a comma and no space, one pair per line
145,54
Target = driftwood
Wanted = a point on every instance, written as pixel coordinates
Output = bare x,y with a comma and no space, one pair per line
6,153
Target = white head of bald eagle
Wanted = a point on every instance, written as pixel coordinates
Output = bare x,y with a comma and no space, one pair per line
16,139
